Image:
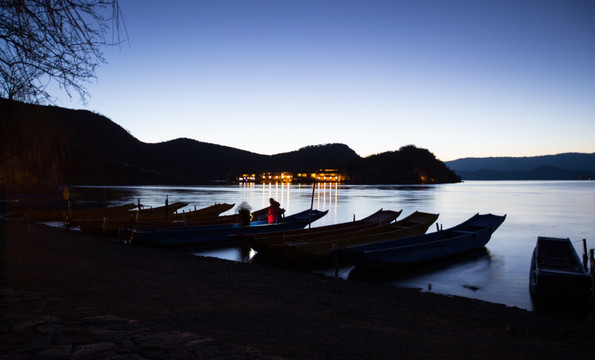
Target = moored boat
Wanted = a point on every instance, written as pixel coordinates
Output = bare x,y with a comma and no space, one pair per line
167,236
112,221
258,215
62,214
199,217
318,250
185,218
260,242
472,234
556,271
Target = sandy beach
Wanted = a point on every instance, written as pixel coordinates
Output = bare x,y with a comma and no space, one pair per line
252,311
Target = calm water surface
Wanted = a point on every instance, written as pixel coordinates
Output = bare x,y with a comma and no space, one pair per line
499,274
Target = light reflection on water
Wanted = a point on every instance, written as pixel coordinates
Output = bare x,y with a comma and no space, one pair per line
500,274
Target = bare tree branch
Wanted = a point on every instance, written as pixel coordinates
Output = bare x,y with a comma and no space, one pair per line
53,40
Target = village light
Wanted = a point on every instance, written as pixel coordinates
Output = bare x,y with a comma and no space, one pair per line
286,177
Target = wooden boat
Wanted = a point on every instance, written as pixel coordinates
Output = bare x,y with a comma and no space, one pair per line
215,233
112,221
161,211
260,242
112,224
192,217
395,253
318,249
61,215
206,212
121,211
259,215
556,271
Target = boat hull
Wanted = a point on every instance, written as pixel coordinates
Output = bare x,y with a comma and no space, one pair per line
470,235
112,223
319,250
373,223
218,233
556,271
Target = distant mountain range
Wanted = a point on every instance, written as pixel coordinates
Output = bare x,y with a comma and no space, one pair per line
567,166
52,145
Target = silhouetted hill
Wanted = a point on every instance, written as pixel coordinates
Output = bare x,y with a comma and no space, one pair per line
409,165
313,157
567,166
53,145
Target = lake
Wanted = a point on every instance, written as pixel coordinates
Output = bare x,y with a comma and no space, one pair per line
499,274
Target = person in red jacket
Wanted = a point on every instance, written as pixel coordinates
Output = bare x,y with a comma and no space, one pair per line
275,211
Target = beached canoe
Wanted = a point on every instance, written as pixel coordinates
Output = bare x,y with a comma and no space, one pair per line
395,253
318,249
61,215
259,215
169,236
260,242
557,272
112,221
112,224
185,218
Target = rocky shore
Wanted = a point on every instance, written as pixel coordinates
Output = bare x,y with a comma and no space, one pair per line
35,327
66,295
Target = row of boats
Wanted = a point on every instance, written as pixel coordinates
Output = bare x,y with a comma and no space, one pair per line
377,242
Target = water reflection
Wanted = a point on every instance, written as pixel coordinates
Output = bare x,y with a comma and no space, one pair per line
468,275
476,261
236,253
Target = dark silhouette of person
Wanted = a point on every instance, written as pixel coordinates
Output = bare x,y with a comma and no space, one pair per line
275,211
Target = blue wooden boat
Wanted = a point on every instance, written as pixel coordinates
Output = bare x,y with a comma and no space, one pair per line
557,272
395,253
318,249
370,224
220,232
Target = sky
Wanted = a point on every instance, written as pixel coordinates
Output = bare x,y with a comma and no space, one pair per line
459,78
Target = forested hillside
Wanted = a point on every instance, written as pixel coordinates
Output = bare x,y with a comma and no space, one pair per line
48,145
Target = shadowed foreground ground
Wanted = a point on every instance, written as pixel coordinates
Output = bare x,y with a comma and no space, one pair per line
255,311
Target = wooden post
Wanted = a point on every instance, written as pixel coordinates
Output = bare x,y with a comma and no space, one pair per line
166,206
133,225
104,226
585,256
592,253
311,206
336,259
67,217
69,213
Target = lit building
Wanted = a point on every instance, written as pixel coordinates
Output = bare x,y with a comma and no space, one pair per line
246,178
328,175
286,177
276,177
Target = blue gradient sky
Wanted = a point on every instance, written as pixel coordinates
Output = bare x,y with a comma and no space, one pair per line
459,78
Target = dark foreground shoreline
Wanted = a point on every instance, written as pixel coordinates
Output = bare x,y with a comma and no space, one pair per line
168,304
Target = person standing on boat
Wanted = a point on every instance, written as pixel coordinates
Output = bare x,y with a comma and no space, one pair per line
275,211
